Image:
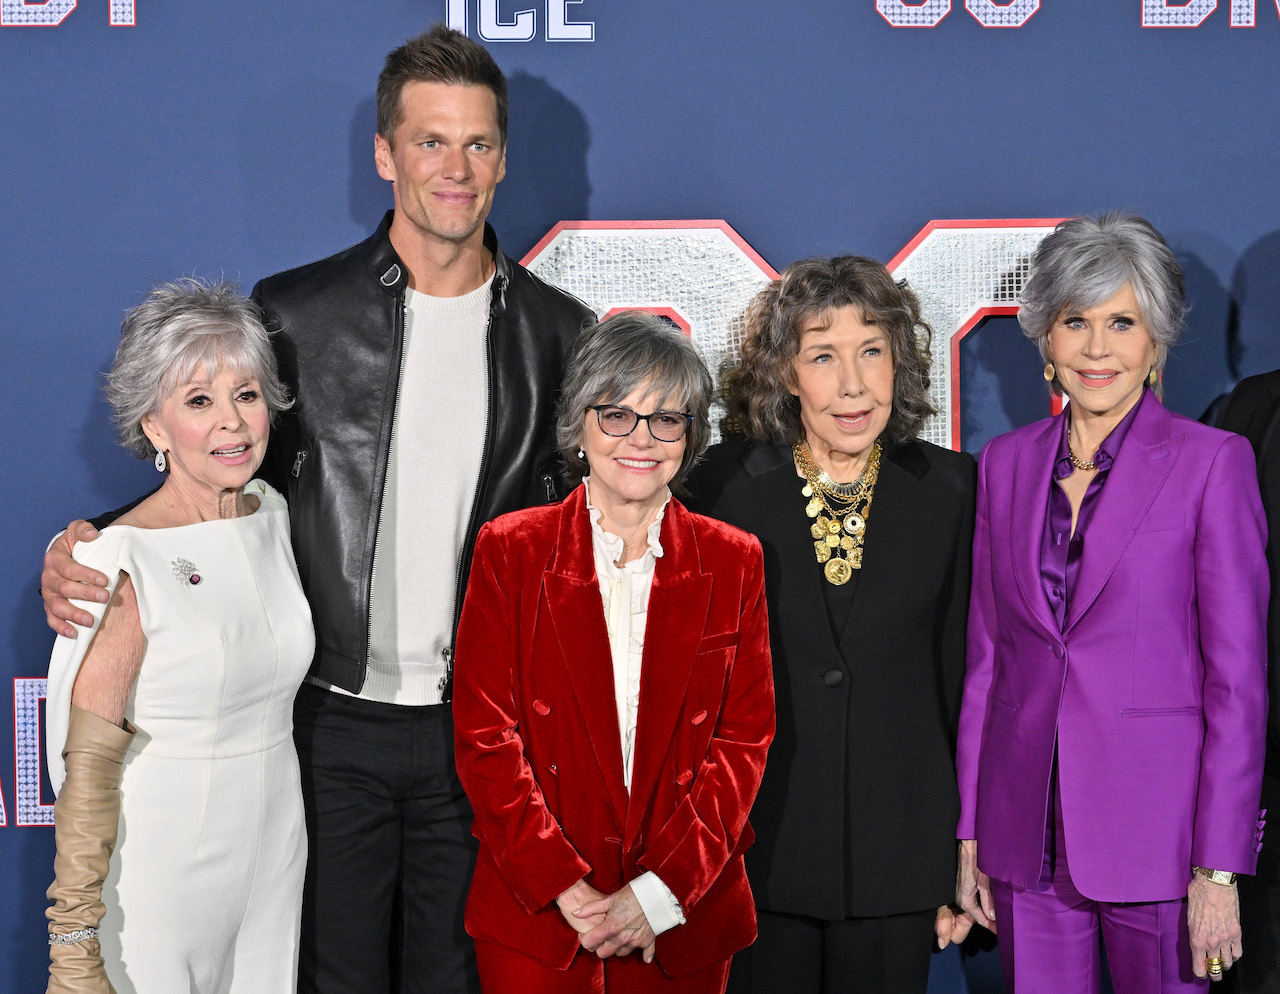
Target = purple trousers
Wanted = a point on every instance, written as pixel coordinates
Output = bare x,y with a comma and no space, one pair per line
1048,934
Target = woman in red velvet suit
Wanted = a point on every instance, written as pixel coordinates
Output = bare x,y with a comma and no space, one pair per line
614,700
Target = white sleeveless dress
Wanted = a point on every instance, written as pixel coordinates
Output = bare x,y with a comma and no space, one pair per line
205,888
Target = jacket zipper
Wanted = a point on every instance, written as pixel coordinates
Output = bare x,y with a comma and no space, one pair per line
497,298
382,489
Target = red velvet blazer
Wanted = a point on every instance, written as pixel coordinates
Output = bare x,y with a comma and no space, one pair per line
538,748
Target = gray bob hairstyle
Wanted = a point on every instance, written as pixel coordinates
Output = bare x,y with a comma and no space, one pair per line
1087,260
180,327
628,350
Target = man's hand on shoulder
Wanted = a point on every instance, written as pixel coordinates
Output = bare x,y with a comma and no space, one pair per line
63,578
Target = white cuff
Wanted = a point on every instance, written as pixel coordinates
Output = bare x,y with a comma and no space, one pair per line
658,903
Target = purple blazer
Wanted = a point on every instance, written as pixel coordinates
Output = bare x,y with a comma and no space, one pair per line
1155,689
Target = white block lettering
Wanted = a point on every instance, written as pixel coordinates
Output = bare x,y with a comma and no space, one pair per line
560,28
521,29
456,15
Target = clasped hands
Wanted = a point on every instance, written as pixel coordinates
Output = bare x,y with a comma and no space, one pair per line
607,924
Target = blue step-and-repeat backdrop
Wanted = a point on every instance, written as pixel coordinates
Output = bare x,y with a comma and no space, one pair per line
669,154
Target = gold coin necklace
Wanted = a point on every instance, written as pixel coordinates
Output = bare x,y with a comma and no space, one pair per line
837,533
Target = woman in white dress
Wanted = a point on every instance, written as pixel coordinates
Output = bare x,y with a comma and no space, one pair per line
169,721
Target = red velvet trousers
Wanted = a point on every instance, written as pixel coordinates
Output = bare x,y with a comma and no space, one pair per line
505,971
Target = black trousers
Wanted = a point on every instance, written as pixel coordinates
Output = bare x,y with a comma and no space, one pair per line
801,955
390,849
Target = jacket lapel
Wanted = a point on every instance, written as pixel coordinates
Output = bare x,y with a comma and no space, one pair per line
1139,472
892,510
1032,474
678,604
577,612
775,497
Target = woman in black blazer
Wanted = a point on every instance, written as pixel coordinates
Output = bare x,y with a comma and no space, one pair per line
867,535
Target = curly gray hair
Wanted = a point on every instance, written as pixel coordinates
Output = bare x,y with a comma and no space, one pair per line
180,327
758,390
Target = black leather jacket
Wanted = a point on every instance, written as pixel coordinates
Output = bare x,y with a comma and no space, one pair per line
340,325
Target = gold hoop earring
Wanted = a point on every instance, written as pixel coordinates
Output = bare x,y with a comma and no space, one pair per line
1154,376
1049,372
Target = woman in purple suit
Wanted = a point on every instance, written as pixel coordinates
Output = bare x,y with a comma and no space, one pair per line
1111,735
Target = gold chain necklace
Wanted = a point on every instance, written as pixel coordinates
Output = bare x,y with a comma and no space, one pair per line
1088,465
838,534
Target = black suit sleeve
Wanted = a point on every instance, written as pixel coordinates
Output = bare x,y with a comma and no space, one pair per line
951,660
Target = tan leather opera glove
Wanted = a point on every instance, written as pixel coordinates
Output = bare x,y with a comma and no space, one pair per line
86,816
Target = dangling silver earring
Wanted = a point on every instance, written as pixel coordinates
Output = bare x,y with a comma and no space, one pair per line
161,463
581,454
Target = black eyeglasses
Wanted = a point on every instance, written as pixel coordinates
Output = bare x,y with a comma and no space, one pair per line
665,426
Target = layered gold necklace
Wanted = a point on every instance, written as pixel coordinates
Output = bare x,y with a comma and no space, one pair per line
837,533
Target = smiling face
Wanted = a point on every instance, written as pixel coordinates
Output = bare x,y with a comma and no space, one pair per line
1102,355
213,432
635,469
447,159
844,380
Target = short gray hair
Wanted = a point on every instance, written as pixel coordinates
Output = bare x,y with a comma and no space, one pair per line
629,350
1087,260
180,327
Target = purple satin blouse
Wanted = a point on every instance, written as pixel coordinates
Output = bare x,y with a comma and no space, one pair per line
1060,550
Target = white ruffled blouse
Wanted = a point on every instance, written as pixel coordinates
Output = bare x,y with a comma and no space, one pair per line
625,592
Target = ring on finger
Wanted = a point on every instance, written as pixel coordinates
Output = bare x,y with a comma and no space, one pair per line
1214,967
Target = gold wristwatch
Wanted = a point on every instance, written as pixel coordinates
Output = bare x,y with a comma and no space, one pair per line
1215,876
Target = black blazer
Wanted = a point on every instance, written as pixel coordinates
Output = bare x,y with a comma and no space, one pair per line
1253,410
857,812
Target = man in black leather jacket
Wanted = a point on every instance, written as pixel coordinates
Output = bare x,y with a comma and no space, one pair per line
390,825
390,850
340,324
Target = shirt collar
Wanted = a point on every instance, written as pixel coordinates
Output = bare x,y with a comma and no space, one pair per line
1107,451
612,545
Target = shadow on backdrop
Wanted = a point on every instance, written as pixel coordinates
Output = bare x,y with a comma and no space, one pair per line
368,194
547,182
1198,370
1254,340
290,213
